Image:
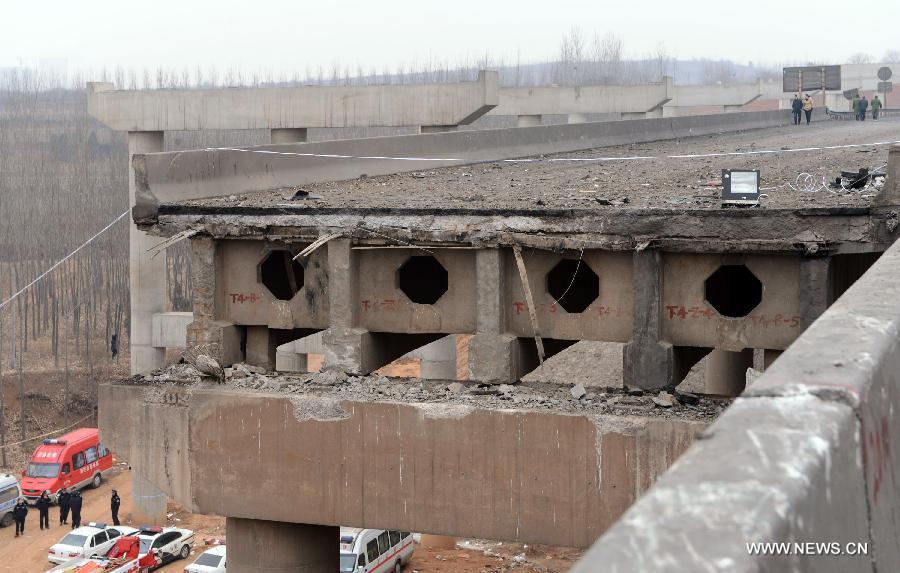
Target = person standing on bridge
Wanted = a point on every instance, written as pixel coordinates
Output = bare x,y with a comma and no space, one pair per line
75,503
796,107
807,107
43,505
20,512
863,106
114,504
876,107
62,498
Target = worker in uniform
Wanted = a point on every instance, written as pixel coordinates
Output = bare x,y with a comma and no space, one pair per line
796,107
863,106
20,511
114,504
876,107
63,500
43,505
75,504
855,105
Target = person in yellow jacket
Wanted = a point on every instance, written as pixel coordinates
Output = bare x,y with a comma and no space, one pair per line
807,107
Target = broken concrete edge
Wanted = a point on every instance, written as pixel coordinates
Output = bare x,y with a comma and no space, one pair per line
620,230
391,465
178,176
806,454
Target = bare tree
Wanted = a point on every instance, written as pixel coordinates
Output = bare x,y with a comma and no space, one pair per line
891,57
860,58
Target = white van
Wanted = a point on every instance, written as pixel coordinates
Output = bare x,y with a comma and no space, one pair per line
365,550
10,492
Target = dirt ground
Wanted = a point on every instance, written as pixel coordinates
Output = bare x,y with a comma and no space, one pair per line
653,180
28,554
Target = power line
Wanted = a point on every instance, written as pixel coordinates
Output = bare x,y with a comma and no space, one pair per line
62,260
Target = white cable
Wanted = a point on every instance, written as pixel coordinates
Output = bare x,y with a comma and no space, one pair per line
566,159
62,260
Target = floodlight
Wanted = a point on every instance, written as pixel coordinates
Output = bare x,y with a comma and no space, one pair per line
740,187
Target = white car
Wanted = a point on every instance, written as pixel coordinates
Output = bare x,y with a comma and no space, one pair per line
91,540
210,561
168,544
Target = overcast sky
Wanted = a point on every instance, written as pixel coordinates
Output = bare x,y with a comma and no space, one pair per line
285,35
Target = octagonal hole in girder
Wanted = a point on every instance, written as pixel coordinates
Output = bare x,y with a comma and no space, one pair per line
282,275
733,290
423,279
573,284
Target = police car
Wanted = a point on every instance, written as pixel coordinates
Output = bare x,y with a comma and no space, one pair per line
9,495
92,540
167,543
210,561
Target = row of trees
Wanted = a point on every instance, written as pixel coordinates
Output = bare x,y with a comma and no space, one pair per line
889,57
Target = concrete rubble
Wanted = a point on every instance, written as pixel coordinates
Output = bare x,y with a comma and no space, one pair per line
377,388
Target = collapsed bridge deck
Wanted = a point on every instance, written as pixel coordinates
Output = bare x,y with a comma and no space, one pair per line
396,261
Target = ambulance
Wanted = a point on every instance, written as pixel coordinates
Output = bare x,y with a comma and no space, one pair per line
9,495
371,550
75,460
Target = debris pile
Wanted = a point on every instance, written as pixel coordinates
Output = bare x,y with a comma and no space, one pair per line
532,395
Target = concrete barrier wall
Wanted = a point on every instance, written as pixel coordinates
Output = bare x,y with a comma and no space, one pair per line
809,453
168,177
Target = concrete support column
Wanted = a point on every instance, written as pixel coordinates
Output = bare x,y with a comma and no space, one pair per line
647,361
438,359
726,372
147,276
218,338
344,345
148,502
289,135
257,546
815,289
495,357
262,347
528,121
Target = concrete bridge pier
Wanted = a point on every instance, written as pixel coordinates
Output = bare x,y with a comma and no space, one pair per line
257,546
148,502
147,274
